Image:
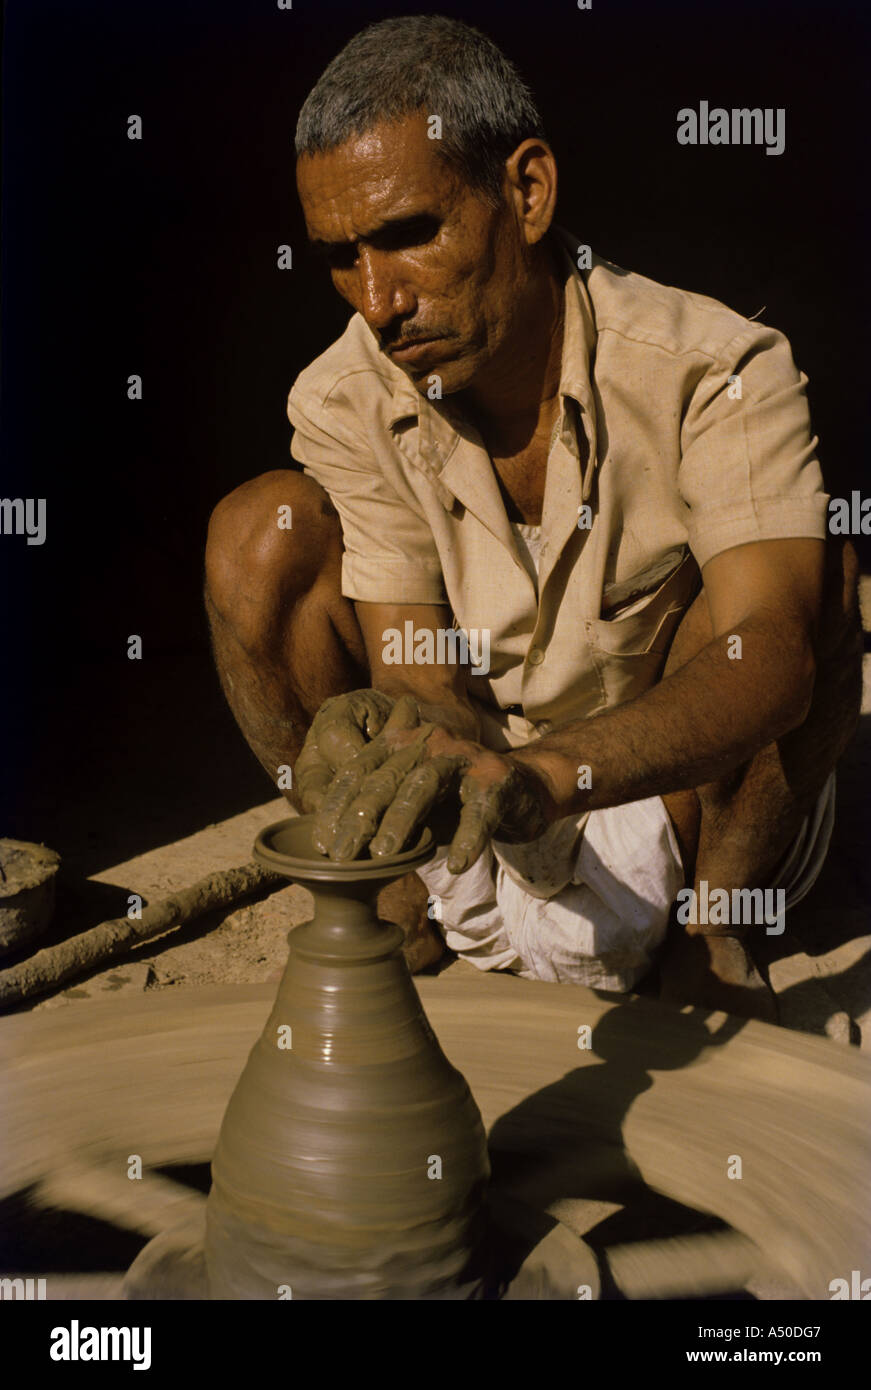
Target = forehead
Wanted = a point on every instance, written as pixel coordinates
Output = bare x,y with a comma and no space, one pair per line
389,172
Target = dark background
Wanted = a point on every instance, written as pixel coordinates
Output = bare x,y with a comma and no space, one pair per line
158,257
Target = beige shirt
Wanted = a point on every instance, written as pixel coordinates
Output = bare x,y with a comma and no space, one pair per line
684,429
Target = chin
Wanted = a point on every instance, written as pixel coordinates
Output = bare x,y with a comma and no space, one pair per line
454,376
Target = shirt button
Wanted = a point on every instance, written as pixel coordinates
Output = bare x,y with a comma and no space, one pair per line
544,726
535,657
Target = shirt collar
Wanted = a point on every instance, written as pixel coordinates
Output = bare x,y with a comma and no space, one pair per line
579,327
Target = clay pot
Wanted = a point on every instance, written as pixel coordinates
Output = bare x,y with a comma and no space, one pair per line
352,1160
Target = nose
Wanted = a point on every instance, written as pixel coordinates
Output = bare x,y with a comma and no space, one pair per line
384,296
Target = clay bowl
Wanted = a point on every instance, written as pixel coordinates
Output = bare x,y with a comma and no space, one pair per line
286,848
27,890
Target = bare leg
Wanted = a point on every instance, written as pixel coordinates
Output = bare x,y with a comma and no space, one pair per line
749,819
285,639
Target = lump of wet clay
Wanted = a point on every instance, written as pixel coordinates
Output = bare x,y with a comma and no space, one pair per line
27,884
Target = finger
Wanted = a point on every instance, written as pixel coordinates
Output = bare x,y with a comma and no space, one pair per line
404,715
420,790
312,772
423,787
343,789
479,819
381,708
313,775
344,725
360,821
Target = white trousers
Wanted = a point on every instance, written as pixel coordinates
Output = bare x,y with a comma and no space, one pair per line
595,908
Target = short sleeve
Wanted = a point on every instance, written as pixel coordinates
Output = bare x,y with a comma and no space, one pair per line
390,555
749,470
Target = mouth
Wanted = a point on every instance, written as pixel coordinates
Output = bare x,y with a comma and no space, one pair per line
412,350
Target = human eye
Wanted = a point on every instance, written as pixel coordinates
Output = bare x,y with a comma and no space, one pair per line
337,255
412,231
340,257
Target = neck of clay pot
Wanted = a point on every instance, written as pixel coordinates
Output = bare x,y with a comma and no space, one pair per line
344,926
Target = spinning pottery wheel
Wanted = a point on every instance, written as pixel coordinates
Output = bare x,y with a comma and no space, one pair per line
678,1154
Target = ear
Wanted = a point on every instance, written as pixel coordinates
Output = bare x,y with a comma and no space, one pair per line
532,187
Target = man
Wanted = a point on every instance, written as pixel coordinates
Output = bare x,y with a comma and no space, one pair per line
607,486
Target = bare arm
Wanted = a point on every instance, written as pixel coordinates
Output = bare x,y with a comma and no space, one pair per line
705,719
439,688
716,711
408,703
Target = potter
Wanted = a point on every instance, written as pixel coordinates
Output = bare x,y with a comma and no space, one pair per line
569,388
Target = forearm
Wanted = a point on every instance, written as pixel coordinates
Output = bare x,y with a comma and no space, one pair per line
438,687
696,725
444,704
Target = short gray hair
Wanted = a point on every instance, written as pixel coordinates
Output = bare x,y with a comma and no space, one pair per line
434,64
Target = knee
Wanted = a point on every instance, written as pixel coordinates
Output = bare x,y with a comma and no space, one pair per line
268,541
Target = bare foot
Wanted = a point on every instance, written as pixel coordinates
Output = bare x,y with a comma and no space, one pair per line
405,903
715,972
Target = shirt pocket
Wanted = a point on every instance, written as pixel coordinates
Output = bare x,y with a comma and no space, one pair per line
629,650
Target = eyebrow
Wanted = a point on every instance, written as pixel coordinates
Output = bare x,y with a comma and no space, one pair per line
391,227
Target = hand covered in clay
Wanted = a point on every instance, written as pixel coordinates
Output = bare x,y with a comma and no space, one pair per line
342,727
384,792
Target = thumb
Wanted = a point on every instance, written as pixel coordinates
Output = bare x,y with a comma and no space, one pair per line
404,715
